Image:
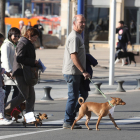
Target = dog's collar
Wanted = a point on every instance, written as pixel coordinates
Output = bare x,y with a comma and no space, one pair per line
37,117
110,104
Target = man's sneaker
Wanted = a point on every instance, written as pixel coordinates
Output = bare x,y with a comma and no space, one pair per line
68,126
5,122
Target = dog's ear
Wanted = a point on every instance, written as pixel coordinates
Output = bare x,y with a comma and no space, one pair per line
113,97
40,114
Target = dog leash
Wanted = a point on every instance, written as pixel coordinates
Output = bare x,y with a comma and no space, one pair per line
18,89
102,94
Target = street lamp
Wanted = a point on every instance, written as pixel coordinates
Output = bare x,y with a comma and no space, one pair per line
112,42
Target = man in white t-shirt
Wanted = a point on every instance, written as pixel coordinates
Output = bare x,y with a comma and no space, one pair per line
74,70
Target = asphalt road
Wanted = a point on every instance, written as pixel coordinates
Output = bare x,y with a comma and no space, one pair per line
127,117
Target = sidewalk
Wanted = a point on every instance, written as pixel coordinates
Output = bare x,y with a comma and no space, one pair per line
53,60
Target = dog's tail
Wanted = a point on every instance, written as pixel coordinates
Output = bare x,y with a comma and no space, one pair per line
79,100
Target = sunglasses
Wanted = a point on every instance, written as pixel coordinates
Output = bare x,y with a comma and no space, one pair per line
17,36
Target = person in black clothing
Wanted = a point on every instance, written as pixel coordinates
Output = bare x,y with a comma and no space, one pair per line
25,55
124,37
40,28
91,27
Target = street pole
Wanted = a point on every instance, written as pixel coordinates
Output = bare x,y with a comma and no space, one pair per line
80,10
23,4
68,24
112,42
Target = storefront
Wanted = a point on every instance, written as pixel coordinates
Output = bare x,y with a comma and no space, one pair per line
98,20
46,7
16,5
132,19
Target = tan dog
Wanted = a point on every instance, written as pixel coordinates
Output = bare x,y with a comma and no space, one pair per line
17,110
38,118
100,109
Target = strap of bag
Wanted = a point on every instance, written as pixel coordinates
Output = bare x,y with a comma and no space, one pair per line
19,63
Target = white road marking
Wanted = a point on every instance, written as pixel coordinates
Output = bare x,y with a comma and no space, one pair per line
119,122
123,122
62,121
28,133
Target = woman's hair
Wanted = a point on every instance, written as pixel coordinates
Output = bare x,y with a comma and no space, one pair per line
31,32
13,31
1,35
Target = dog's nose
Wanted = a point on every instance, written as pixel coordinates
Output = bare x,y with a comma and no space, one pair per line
123,103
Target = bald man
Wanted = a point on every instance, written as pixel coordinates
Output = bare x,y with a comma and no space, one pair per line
74,70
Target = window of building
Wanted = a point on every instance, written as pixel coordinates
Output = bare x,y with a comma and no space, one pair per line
98,23
131,21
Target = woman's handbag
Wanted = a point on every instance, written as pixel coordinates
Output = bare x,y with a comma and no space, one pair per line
30,75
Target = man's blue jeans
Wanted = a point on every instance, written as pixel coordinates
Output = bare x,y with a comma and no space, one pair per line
76,89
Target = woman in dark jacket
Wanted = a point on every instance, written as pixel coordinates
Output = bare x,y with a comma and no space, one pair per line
25,54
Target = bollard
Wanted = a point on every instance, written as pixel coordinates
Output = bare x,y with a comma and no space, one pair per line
138,86
120,88
47,93
97,85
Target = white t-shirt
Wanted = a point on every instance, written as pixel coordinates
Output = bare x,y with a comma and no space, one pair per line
74,44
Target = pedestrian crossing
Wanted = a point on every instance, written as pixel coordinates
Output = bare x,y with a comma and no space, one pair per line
132,120
105,121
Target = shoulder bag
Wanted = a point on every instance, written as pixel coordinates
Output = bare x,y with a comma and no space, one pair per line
30,75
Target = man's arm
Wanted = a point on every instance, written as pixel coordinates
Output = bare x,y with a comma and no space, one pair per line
79,66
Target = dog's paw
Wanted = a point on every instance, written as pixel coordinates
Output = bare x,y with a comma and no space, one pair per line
118,128
97,129
89,128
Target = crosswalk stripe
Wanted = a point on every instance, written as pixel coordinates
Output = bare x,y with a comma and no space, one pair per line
62,121
124,121
118,122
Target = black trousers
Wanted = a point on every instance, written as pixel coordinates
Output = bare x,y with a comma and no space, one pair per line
40,38
8,90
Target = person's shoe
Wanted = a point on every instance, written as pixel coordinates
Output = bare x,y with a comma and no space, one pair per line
5,122
126,63
68,126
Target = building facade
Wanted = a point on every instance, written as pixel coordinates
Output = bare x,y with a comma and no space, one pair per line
98,18
40,7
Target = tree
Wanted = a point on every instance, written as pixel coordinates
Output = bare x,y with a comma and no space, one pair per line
2,17
86,32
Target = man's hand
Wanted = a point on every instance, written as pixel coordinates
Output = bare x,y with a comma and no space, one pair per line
86,75
36,62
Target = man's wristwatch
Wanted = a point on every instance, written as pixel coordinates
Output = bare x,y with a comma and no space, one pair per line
83,71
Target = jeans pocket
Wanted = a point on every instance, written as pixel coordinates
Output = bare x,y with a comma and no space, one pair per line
68,78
